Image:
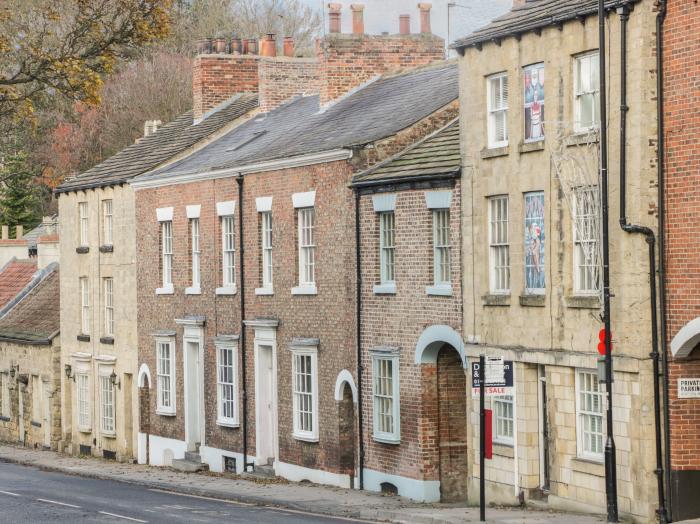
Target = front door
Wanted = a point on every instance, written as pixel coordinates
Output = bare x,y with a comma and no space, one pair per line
46,422
265,406
544,430
193,396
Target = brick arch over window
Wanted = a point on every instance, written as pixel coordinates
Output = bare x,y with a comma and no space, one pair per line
431,341
686,339
144,377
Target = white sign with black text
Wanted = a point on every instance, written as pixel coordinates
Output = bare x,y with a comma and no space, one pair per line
689,388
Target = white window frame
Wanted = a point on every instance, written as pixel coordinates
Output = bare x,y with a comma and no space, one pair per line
108,221
82,399
378,433
534,290
442,248
306,254
584,415
580,261
108,287
84,225
161,374
497,111
499,246
591,91
501,419
228,251
84,305
5,404
298,394
195,257
166,248
230,350
387,248
266,249
107,404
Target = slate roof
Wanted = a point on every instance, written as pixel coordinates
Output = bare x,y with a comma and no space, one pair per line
35,318
14,277
151,151
299,127
49,227
437,154
535,14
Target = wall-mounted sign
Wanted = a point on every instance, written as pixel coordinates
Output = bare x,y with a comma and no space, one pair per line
499,377
689,388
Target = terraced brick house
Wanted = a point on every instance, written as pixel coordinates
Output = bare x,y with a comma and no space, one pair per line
99,402
531,244
410,308
246,280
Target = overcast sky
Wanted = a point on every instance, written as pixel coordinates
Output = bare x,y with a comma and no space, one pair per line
383,15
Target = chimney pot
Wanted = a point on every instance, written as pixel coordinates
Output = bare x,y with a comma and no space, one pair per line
334,17
203,46
358,23
288,46
220,46
19,231
252,46
425,17
405,24
236,46
5,232
269,46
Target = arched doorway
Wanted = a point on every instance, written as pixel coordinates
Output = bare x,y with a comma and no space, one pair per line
144,383
346,397
452,424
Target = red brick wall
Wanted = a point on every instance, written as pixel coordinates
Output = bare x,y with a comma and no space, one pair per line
682,120
348,61
216,78
398,320
283,78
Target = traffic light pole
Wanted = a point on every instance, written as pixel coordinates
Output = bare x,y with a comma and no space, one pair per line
610,459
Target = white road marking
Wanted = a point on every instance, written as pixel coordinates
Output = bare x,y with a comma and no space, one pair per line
201,497
58,503
10,493
122,516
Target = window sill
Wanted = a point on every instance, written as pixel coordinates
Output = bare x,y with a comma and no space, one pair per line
503,449
107,248
83,338
165,290
84,429
165,413
227,423
304,290
589,465
493,152
35,423
440,290
529,147
387,440
305,438
194,290
107,340
582,302
582,138
3,418
226,290
111,434
385,289
264,291
81,250
532,300
496,300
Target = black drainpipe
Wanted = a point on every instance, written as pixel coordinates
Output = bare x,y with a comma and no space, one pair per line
239,179
660,18
651,242
358,318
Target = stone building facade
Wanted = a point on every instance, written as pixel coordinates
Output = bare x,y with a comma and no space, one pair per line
290,362
682,158
531,277
413,393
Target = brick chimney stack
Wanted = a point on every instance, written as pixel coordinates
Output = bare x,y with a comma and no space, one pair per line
216,77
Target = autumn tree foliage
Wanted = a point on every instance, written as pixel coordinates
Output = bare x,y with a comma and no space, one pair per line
66,47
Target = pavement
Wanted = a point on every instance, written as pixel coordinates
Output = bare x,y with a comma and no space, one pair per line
301,497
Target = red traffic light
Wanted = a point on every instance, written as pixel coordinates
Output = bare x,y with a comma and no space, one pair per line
601,344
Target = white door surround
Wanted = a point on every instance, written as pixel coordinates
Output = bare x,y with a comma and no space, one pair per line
265,353
193,374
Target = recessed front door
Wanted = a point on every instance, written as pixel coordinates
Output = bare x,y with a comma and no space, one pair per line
265,405
194,399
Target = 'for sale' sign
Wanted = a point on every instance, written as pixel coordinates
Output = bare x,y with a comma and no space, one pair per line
498,376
